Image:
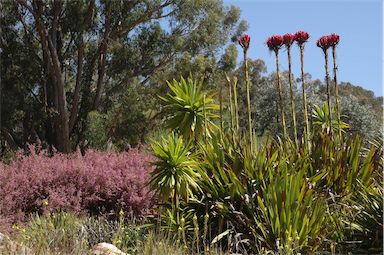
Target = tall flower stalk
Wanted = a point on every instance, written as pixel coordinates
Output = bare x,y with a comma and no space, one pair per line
274,43
231,110
324,43
236,108
244,42
288,41
301,38
221,108
334,41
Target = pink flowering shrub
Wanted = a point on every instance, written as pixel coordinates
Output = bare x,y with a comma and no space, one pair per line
97,183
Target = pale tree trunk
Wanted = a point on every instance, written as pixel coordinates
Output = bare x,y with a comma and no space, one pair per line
53,70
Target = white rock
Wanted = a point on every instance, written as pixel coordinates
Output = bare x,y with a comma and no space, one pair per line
106,249
2,238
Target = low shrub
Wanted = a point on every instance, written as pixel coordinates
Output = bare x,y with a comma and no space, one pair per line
98,183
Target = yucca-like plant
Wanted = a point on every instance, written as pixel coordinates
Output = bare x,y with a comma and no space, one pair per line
191,110
321,120
175,174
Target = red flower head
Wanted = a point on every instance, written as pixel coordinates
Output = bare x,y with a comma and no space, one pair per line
288,39
301,37
333,39
323,42
275,42
244,41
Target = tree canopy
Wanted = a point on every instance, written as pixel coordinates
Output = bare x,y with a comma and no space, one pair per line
63,59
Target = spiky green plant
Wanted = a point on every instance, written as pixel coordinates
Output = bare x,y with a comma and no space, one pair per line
343,171
174,174
292,212
370,217
321,120
247,189
190,109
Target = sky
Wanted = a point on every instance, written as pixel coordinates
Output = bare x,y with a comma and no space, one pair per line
358,22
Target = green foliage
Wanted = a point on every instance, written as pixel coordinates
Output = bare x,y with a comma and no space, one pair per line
101,51
370,217
129,118
67,233
345,170
174,173
321,120
365,119
293,212
96,134
190,109
265,198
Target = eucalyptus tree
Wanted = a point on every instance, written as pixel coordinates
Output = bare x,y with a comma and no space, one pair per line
64,59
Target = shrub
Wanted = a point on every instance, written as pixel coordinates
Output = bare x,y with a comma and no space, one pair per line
97,183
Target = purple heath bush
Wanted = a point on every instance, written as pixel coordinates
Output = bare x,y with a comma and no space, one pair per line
98,183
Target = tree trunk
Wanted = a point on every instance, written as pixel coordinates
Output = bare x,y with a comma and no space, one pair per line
56,92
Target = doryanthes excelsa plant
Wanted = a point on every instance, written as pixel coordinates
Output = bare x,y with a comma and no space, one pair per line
274,43
334,41
288,41
244,42
301,37
324,43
